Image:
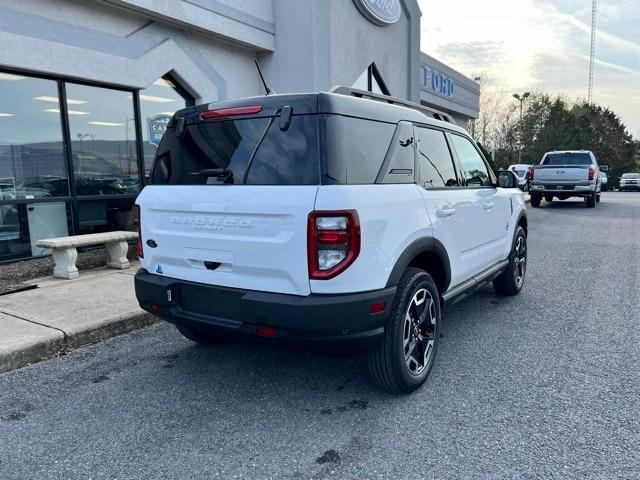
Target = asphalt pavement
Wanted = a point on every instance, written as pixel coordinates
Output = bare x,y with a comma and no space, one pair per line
543,385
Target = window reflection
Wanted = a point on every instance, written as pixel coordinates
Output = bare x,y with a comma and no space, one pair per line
32,163
103,141
158,103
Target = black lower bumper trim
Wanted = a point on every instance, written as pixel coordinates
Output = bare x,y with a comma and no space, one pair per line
316,318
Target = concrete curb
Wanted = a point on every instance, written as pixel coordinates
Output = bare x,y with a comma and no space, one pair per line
51,342
61,315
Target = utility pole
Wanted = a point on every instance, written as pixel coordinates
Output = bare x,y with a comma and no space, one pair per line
521,99
592,55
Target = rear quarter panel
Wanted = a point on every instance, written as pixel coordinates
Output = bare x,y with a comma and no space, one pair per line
391,218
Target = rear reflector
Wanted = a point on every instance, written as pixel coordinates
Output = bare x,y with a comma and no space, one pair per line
376,308
231,112
157,309
263,331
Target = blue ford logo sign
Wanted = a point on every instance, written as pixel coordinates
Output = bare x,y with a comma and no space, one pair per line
380,12
439,83
157,127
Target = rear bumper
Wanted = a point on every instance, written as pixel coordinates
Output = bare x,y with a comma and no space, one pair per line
573,188
315,319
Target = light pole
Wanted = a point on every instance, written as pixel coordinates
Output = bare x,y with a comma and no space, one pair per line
521,99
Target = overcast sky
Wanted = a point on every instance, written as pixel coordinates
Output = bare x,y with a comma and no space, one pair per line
542,45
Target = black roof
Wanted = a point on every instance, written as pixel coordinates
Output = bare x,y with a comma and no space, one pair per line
347,101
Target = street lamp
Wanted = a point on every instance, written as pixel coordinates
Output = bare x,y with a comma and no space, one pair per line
521,99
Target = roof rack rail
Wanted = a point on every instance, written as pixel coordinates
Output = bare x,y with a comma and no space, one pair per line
354,92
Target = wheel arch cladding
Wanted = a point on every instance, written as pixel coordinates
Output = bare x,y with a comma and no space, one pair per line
523,222
429,255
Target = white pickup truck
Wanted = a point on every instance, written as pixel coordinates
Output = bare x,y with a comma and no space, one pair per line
564,174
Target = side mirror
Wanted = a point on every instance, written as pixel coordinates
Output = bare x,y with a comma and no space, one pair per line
508,179
604,168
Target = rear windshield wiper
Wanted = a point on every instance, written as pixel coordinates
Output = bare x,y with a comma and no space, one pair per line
224,174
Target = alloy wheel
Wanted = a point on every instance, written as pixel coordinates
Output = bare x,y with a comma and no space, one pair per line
419,331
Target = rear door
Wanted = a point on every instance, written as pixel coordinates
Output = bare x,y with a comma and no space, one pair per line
491,209
450,206
229,203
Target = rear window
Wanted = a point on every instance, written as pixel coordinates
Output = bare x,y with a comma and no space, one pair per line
251,151
567,159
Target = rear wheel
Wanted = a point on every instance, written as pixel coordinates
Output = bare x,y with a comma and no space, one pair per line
510,281
591,201
536,198
598,199
548,197
404,358
198,336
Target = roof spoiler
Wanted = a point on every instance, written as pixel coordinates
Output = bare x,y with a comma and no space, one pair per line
354,92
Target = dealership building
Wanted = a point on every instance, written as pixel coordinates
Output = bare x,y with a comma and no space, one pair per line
87,88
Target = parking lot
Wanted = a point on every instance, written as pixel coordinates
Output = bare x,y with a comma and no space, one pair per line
541,385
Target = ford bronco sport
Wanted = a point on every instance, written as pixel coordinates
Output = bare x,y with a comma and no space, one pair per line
342,219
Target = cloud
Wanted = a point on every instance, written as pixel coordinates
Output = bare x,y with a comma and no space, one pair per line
541,44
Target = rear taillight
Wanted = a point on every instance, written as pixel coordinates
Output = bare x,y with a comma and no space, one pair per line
230,112
333,242
530,174
137,224
592,173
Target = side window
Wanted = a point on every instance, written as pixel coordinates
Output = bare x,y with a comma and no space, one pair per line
434,160
400,160
472,164
356,149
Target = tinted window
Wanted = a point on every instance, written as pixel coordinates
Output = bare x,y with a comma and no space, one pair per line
254,151
103,140
434,159
472,164
567,159
32,162
356,149
400,162
158,103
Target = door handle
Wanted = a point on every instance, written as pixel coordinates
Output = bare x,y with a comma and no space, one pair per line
445,212
488,205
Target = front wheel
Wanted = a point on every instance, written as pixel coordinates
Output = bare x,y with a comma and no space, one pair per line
510,281
405,357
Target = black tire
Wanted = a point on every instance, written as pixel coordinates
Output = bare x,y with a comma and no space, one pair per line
389,365
548,197
598,198
591,201
536,198
511,281
199,337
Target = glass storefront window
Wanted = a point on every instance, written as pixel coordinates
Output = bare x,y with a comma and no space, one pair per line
32,161
106,215
158,103
103,140
22,225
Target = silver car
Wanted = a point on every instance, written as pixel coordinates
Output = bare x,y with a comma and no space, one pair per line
630,181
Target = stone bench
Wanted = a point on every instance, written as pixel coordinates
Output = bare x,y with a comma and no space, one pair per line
65,253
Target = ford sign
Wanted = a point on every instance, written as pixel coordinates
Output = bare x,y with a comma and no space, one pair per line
380,12
157,127
439,83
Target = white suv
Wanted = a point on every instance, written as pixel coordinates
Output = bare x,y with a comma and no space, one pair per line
328,219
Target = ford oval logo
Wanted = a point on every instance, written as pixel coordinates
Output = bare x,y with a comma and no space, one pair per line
380,12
